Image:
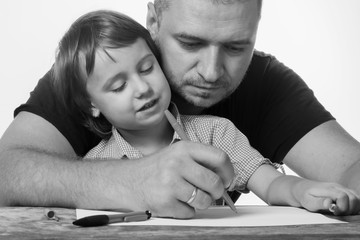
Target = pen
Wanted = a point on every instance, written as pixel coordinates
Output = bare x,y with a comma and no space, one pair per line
183,136
100,220
332,207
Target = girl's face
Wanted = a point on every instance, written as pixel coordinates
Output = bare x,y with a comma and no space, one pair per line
129,87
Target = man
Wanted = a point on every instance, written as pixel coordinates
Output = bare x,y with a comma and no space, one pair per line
207,51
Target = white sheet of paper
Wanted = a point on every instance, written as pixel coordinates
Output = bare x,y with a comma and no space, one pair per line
224,217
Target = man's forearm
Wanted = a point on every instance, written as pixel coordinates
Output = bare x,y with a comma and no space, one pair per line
160,182
35,178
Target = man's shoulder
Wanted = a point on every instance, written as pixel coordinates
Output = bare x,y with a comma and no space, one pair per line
46,82
262,59
261,54
265,66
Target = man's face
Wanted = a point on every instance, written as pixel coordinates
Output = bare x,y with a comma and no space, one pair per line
206,47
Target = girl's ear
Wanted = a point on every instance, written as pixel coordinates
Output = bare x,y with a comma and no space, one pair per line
95,112
152,21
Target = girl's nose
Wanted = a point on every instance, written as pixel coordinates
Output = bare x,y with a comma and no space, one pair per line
142,87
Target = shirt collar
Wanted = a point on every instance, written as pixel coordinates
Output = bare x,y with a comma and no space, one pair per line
126,149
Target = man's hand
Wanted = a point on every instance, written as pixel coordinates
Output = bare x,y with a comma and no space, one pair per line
165,181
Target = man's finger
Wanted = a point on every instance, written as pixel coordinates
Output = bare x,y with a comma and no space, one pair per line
214,159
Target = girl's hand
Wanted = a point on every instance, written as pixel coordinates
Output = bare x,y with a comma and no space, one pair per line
320,196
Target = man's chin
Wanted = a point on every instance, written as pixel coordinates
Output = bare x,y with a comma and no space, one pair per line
192,103
200,102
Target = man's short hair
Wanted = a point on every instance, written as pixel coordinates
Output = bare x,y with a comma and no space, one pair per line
163,5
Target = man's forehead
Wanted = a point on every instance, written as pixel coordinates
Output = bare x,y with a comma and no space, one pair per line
164,5
207,10
202,19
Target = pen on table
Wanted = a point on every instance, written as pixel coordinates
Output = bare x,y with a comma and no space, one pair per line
332,207
104,219
183,136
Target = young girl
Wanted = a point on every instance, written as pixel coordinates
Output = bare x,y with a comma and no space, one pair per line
107,69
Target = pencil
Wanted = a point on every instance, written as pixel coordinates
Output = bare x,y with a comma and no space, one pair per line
183,136
176,126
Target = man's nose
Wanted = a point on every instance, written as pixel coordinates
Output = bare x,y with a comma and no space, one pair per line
210,65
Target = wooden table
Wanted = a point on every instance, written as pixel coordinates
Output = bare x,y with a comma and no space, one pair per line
31,223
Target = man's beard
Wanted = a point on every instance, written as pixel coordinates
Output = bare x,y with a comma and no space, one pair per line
181,94
177,91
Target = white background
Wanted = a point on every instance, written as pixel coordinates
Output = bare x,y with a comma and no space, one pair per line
319,39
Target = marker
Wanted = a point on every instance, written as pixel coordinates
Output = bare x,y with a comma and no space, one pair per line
101,220
332,207
183,136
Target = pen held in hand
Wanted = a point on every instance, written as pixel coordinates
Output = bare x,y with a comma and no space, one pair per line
104,219
176,126
183,136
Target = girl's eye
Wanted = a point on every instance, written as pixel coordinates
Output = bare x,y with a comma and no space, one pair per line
147,69
119,89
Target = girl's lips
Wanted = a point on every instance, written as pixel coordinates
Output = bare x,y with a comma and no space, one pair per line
148,105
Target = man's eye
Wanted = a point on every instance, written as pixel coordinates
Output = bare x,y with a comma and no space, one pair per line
234,49
190,45
120,88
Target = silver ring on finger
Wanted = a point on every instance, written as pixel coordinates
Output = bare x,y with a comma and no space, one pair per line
193,196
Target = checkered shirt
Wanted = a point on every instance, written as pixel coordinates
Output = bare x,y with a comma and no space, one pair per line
216,131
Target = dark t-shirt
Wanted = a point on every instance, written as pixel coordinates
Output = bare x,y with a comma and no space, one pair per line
273,107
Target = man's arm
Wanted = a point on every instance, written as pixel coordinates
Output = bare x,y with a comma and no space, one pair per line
38,167
24,149
327,153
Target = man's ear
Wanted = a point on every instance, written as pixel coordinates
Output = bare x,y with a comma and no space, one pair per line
152,21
